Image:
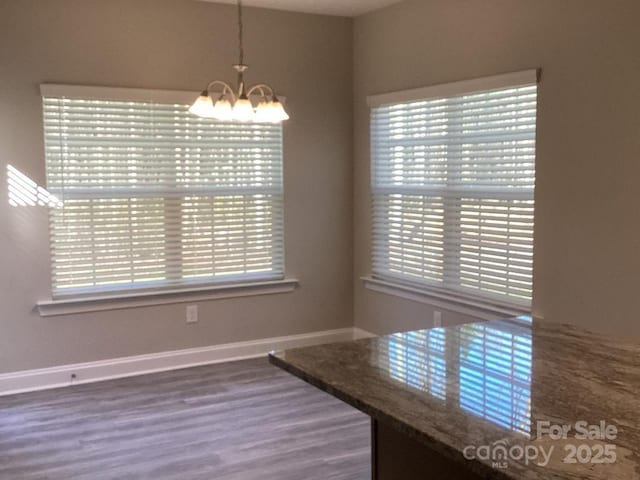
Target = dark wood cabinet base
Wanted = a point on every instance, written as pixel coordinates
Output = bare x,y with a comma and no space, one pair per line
395,456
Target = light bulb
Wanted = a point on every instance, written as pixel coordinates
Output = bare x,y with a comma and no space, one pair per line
278,113
243,110
222,110
203,106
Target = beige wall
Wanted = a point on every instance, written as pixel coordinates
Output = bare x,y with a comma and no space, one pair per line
177,44
587,237
587,263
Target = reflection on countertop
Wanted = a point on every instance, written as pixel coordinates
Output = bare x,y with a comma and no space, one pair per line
491,383
494,364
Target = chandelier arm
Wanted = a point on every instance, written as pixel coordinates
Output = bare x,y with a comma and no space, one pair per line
261,87
225,88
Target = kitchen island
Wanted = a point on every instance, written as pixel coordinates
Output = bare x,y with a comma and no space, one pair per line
505,399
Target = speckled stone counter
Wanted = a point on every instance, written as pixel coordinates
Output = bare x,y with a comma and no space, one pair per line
481,394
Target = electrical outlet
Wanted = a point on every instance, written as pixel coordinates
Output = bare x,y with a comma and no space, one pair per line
437,318
192,313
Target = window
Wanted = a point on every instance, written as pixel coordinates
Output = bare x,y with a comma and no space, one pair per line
153,196
453,170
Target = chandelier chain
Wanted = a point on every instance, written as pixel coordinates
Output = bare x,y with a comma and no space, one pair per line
240,32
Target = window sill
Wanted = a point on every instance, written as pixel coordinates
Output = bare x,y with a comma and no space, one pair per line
51,308
479,308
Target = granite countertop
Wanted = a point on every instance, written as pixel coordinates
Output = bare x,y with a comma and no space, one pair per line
473,392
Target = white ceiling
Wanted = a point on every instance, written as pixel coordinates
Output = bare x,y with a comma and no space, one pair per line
346,8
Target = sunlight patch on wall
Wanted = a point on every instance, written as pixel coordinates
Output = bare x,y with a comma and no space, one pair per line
24,192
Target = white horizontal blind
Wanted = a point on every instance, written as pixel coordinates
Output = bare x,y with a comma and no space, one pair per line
156,197
453,182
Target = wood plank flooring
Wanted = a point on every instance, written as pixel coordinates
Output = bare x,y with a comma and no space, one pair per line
243,420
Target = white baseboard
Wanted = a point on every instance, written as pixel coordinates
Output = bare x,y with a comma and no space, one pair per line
359,333
61,376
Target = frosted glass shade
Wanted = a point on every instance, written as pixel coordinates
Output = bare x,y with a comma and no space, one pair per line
203,106
222,110
278,113
264,112
243,110
270,112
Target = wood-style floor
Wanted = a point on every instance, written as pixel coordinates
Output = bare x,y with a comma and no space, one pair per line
236,421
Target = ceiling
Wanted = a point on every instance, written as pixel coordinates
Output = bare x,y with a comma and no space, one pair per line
346,8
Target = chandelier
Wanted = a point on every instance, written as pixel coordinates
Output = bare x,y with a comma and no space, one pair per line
237,105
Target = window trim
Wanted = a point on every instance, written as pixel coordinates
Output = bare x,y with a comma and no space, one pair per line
113,297
149,298
121,94
481,308
506,80
443,297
